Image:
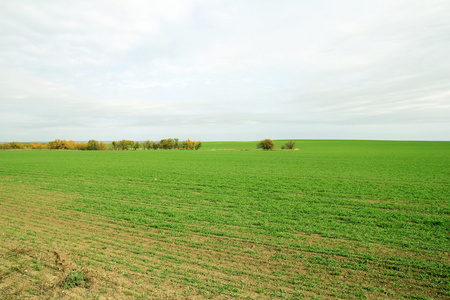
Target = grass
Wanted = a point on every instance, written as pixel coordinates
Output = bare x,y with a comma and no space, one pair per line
336,219
74,279
242,145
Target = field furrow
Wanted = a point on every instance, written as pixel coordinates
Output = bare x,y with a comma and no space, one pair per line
314,223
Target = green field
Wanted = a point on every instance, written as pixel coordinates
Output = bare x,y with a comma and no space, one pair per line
332,220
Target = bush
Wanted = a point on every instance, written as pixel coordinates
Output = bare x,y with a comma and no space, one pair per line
148,145
290,145
4,146
176,143
16,145
36,145
81,146
125,144
266,144
74,279
92,145
167,144
191,145
58,144
188,144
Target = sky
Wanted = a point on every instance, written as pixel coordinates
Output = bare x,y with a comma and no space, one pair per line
224,70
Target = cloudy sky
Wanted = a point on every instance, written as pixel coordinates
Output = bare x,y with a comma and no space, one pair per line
224,70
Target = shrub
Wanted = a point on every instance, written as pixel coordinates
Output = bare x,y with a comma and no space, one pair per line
156,146
125,144
148,145
167,144
75,278
93,145
290,145
266,144
15,145
71,145
58,144
81,146
4,146
176,143
188,144
36,145
191,145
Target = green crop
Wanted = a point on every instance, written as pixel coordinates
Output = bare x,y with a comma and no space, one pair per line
333,219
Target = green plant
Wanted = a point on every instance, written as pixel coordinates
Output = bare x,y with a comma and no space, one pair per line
16,145
167,143
325,212
58,144
95,145
266,144
75,278
188,144
149,145
125,144
290,145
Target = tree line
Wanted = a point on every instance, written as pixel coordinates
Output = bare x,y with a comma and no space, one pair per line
165,144
268,144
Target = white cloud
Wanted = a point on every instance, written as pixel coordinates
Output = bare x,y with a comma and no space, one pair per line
224,69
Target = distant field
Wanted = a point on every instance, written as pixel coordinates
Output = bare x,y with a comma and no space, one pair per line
332,220
240,145
229,145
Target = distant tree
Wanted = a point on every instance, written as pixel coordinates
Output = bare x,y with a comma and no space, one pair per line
72,145
191,145
125,144
93,145
114,145
53,144
147,145
16,145
36,145
102,146
81,146
188,144
176,143
266,144
289,145
4,146
136,145
58,144
65,145
156,146
121,145
167,144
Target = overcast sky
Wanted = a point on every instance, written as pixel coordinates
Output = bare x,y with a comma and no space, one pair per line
224,70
